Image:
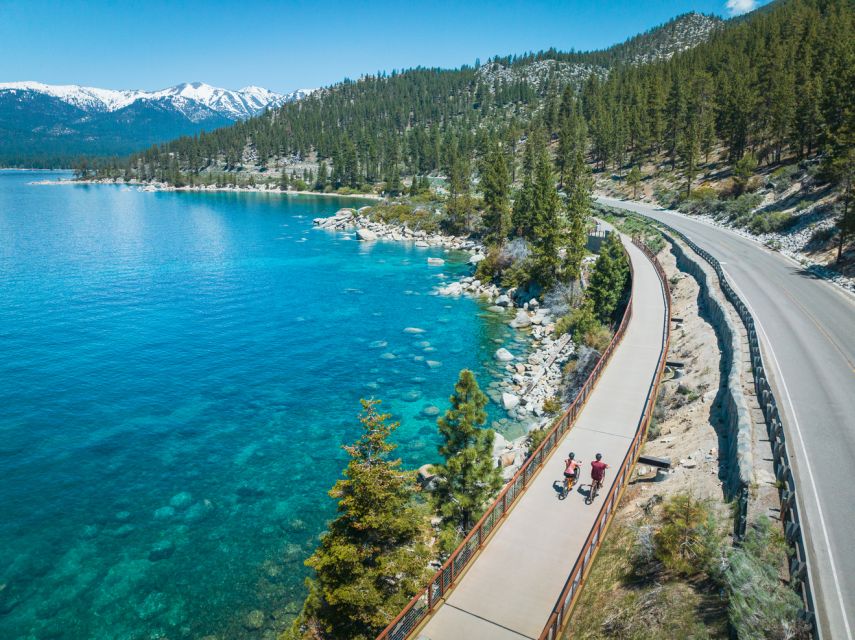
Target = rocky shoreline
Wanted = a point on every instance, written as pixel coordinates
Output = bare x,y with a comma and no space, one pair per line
528,382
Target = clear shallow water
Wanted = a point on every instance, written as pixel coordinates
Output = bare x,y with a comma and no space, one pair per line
178,373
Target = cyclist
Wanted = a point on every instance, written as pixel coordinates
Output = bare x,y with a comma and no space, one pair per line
598,473
572,467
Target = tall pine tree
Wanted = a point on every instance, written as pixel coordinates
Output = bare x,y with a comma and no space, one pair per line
467,478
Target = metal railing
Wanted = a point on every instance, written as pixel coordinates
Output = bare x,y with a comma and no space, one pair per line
563,607
790,517
424,602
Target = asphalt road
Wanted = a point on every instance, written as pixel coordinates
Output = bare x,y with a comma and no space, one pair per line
807,330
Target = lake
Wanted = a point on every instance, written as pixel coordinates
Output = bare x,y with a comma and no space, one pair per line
179,372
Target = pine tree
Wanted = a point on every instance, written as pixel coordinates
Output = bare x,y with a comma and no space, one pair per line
495,185
548,224
459,207
321,181
578,210
633,179
609,278
374,555
468,478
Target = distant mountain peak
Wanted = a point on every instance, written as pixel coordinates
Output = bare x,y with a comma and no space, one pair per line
188,97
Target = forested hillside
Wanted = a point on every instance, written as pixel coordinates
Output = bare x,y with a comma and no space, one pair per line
776,85
414,121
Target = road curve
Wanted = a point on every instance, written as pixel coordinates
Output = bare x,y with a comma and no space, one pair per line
807,331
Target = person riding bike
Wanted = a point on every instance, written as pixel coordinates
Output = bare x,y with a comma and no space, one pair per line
598,472
572,468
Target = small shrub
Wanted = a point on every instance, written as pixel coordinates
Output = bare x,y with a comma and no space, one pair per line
492,265
552,405
571,365
597,338
687,542
535,437
823,235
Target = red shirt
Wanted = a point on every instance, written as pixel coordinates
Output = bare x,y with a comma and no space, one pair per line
598,470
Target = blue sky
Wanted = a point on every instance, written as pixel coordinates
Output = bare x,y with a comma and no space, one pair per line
285,45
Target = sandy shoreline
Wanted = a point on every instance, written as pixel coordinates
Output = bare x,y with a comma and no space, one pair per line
162,186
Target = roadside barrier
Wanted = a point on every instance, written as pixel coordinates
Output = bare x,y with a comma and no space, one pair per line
423,603
790,515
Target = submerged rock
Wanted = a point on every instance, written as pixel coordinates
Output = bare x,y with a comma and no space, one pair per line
254,620
503,355
164,513
181,500
161,550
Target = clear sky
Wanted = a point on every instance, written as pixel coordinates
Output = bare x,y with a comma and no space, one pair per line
129,44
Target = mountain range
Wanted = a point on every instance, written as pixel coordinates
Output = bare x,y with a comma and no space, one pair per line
44,125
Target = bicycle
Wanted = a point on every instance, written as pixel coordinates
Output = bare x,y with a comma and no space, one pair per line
567,486
596,485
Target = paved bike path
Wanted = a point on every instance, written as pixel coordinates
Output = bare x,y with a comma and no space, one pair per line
510,589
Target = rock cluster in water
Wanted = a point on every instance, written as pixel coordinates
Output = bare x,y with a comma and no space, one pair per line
527,383
369,230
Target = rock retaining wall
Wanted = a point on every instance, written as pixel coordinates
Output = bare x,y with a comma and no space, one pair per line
736,412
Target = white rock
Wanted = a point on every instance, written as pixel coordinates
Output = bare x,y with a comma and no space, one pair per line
366,234
476,258
521,320
509,401
435,261
503,355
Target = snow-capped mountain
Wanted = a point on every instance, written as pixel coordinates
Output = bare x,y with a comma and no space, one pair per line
234,105
56,121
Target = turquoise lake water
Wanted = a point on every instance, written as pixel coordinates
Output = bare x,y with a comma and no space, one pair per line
179,372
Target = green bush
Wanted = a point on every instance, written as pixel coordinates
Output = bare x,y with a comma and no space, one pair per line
552,405
535,437
491,266
771,221
760,605
415,218
687,543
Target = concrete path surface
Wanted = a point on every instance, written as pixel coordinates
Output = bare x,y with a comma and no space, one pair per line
807,335
509,591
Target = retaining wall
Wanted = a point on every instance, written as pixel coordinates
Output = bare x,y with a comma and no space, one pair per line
736,412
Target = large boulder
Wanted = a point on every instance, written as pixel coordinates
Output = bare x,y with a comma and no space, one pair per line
509,401
503,300
425,474
503,355
475,258
520,320
366,235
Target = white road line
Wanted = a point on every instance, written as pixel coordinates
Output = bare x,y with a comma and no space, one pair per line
807,465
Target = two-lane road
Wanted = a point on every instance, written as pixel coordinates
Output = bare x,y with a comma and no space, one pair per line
807,331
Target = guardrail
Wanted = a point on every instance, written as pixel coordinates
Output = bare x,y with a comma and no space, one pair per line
423,603
790,517
561,613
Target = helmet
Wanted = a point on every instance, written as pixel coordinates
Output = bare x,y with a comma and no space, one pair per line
599,456
572,455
